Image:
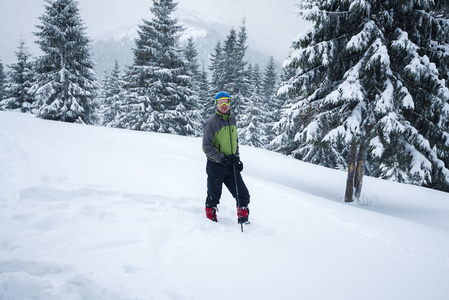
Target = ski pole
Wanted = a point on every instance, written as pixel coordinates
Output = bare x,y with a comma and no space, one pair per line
238,198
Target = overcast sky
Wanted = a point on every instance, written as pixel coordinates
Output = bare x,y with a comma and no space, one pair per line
271,24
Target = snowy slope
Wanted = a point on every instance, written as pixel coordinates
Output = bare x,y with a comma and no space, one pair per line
98,213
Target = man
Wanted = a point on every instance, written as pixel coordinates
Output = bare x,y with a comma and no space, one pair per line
223,163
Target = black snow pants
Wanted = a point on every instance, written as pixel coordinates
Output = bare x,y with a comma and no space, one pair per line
217,174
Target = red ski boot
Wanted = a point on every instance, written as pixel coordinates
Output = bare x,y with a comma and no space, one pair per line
242,214
211,213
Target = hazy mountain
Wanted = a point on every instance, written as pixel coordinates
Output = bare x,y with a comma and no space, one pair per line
118,43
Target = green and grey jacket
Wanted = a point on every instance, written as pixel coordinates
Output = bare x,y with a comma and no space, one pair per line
220,137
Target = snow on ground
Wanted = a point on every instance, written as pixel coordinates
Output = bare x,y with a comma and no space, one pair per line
98,213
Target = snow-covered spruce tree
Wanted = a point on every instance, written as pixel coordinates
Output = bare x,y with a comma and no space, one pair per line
254,120
236,74
365,86
270,101
246,132
191,57
440,57
230,64
229,69
159,97
205,100
66,83
243,84
269,80
198,81
21,79
217,69
111,96
2,82
421,50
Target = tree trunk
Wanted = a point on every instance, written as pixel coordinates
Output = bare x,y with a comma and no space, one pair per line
358,181
351,173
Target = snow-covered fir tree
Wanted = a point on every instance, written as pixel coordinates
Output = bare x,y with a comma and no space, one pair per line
191,57
198,80
243,74
271,103
269,80
254,121
2,82
21,79
246,133
366,83
66,83
113,89
230,63
229,69
205,100
236,74
217,69
159,96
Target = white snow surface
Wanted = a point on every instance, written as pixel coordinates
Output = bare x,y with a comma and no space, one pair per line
98,213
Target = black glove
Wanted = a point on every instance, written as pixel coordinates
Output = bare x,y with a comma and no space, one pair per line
224,161
233,160
230,160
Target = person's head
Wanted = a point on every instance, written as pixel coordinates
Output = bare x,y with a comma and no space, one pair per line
223,102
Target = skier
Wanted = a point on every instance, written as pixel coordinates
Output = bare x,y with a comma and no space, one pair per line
220,145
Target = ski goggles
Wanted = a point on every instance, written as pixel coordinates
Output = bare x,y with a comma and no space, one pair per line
223,101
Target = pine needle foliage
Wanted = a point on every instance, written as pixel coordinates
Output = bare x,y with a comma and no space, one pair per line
374,73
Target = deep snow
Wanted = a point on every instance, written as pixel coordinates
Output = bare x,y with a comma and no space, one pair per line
98,213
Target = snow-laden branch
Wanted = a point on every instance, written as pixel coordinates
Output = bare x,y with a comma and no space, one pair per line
361,40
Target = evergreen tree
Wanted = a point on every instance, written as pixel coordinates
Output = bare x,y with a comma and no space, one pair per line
243,74
364,87
245,117
112,92
114,84
254,122
196,81
205,100
192,66
236,76
21,80
230,64
135,101
217,67
159,97
2,82
231,74
66,83
269,80
268,90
